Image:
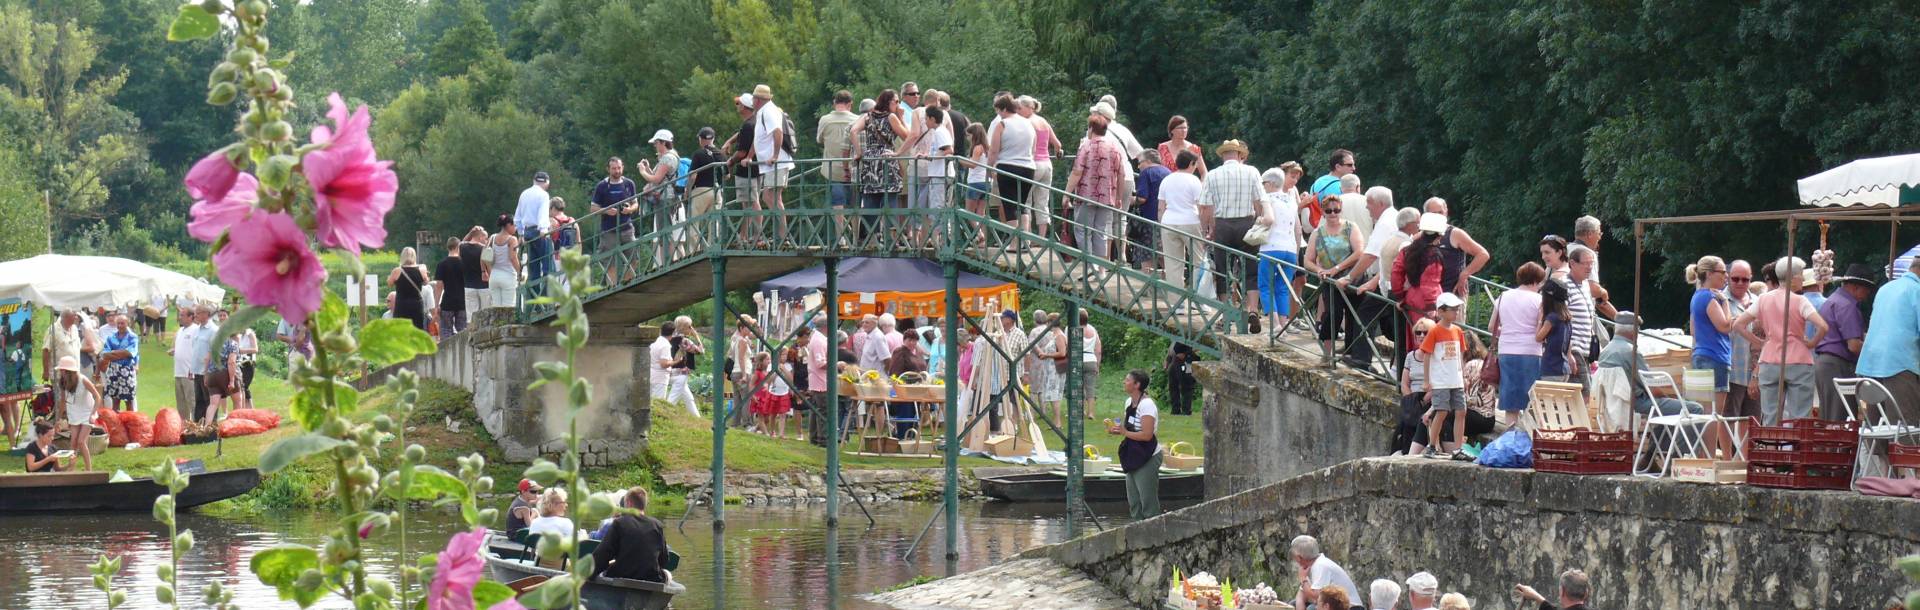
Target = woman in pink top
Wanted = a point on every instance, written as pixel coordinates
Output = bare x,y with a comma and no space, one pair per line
1786,355
1098,174
1046,146
1516,322
1177,141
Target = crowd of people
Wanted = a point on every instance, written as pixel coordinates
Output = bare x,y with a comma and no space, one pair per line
1326,585
91,358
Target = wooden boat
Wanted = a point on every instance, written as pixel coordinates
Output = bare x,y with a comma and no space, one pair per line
601,593
1099,487
91,491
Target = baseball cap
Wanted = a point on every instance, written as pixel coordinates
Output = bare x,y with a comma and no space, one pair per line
1433,222
527,485
539,176
745,99
1449,300
706,133
662,136
1009,314
1423,583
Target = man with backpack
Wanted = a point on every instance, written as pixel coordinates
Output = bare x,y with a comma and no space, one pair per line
773,148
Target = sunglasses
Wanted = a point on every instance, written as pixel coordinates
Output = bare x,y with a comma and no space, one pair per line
911,93
1333,210
1741,280
1348,164
1419,333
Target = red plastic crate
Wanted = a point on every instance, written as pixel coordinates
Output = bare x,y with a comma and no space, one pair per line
1800,477
1903,456
1582,440
1803,455
1587,464
1808,431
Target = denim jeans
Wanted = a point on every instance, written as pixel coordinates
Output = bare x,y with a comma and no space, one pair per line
1276,281
1517,374
539,259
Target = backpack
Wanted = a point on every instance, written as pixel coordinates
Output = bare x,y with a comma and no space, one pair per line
686,167
788,143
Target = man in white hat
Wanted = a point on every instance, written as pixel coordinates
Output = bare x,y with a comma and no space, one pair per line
1423,591
771,149
1231,203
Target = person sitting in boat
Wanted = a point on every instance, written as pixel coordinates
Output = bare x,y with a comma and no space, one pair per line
553,519
636,544
525,507
40,453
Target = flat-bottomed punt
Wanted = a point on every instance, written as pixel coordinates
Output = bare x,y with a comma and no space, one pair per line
93,492
602,593
1099,487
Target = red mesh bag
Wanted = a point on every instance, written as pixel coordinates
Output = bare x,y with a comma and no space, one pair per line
106,420
230,428
266,418
166,428
139,428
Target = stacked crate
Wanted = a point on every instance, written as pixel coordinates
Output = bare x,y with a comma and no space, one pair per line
1803,454
1582,451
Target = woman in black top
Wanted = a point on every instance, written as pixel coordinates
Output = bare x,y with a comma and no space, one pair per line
407,281
40,451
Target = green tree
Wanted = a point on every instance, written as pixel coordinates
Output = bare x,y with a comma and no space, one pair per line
470,42
461,176
23,215
54,99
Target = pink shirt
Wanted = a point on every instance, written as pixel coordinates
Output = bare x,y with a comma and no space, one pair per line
1100,172
1042,137
1768,314
1519,312
817,359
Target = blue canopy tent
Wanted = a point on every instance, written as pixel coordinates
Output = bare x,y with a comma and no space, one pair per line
902,286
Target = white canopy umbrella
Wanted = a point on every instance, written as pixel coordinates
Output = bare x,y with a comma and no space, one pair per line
1867,182
57,280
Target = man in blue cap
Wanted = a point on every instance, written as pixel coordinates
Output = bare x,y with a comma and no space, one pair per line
535,221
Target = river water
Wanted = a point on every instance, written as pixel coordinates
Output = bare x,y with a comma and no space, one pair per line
768,557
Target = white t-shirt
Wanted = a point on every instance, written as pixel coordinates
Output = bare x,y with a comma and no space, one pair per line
660,350
1284,234
1016,141
1415,367
765,121
977,173
1382,231
937,139
551,526
1180,199
1146,408
777,384
1325,572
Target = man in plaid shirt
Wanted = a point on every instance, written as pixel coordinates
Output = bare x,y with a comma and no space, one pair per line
1229,207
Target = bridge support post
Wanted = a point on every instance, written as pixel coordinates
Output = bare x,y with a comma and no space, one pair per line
950,498
832,406
1076,431
719,484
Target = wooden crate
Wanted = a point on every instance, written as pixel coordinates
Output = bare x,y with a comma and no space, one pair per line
1006,445
1702,470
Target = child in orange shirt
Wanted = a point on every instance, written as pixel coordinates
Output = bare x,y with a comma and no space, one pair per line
1445,351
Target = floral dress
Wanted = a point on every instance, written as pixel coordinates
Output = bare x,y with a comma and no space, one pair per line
878,175
122,379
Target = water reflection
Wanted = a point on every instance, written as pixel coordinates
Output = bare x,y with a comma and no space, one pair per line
764,558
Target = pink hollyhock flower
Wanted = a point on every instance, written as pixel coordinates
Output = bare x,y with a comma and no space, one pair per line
211,177
211,217
457,570
352,190
267,259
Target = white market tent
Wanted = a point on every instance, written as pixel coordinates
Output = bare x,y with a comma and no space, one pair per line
57,280
1880,181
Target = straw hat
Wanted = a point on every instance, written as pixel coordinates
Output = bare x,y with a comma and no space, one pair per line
1232,146
68,363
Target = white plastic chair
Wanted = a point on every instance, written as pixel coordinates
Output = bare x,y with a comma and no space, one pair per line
1687,438
1876,428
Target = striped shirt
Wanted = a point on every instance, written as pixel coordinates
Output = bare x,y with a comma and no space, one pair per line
1232,189
1580,337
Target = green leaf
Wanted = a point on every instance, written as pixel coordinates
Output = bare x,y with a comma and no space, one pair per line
345,398
432,483
309,408
557,592
393,341
284,62
193,23
486,593
332,315
292,449
280,567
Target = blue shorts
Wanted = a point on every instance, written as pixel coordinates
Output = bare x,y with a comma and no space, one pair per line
1720,370
976,190
840,194
1517,374
1276,281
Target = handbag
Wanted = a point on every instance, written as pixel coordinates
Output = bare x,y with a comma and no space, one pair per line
1490,370
1256,235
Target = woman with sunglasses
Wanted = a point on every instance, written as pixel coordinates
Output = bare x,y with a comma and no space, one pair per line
1330,252
1712,333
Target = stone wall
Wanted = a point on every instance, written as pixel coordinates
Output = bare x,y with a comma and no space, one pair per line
495,360
1646,543
1274,412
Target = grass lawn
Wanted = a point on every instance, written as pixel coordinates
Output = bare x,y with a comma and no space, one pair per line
156,393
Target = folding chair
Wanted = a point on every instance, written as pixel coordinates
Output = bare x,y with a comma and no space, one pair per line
1556,406
1686,428
1875,426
